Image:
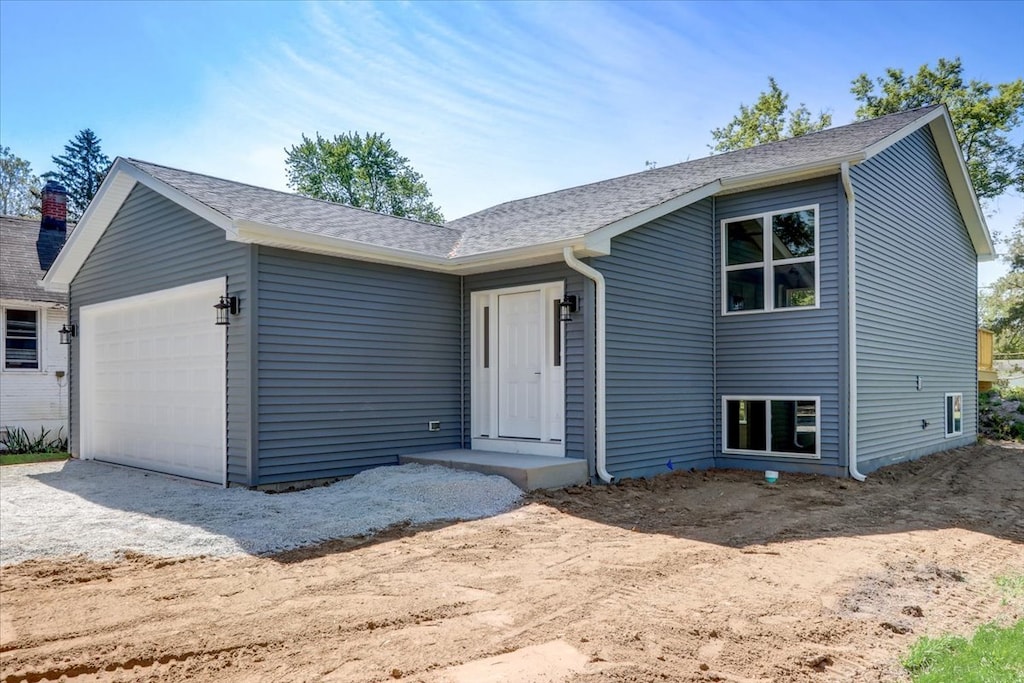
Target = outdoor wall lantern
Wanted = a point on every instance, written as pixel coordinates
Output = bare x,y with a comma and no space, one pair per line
66,333
566,308
227,305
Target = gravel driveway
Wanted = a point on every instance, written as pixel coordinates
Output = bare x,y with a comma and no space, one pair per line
76,507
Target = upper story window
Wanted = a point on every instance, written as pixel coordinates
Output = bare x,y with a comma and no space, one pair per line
21,339
783,274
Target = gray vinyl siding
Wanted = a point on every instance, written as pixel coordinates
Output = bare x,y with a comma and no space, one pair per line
916,305
354,360
660,339
154,244
576,359
785,352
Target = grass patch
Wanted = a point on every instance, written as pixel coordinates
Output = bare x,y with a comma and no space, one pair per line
1012,586
23,458
994,654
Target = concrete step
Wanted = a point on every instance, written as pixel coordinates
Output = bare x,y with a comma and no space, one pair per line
528,472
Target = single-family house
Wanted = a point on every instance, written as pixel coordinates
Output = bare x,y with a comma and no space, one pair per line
805,305
33,362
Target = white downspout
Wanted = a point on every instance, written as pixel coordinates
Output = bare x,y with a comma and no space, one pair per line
599,350
851,323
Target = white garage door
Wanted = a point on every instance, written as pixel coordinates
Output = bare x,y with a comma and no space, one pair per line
153,382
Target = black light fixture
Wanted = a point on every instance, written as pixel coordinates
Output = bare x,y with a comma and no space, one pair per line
566,307
66,333
227,305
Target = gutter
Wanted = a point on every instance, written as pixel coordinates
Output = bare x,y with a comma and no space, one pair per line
851,323
599,370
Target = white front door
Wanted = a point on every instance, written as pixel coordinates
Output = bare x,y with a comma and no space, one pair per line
520,359
518,382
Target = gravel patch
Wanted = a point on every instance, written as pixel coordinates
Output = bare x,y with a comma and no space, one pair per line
86,507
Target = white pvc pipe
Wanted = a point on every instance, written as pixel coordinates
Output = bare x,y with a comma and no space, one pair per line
599,370
851,325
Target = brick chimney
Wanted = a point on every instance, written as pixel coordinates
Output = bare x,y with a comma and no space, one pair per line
55,207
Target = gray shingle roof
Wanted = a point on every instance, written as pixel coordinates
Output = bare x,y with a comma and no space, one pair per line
579,210
26,252
551,217
239,201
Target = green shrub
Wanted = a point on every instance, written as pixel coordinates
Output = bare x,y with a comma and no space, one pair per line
1001,414
17,440
1011,393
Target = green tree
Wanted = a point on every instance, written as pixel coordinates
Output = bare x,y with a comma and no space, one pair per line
768,120
17,185
982,116
362,171
1002,308
81,170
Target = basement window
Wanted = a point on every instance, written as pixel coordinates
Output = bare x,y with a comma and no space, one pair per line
954,415
770,261
21,339
771,425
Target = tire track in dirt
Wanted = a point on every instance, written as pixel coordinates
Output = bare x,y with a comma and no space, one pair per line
682,578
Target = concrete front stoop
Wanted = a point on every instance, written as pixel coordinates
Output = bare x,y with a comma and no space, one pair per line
528,472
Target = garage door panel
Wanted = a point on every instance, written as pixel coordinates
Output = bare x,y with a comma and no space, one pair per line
154,382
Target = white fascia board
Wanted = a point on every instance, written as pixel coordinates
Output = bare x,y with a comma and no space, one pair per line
962,187
90,228
956,171
907,130
517,257
598,242
28,303
789,175
182,199
120,181
249,232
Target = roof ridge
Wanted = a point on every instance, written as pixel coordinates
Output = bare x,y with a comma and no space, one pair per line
135,162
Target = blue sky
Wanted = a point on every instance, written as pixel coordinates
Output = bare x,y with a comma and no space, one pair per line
490,101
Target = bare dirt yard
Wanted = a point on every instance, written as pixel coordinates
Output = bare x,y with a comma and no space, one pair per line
692,576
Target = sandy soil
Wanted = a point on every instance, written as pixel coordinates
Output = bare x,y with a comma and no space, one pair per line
689,577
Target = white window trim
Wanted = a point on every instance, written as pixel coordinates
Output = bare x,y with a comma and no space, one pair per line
768,424
945,417
767,263
41,323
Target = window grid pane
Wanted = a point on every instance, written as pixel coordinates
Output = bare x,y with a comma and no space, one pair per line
745,289
793,234
794,285
745,241
772,426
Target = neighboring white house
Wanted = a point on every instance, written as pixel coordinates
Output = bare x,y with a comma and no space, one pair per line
33,362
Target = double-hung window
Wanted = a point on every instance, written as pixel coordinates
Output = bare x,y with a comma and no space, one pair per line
783,426
770,261
21,339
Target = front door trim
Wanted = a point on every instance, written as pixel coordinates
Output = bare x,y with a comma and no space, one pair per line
484,377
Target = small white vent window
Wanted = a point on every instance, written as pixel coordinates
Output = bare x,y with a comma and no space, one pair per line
954,414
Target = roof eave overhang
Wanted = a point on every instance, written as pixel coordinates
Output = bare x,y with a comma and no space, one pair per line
120,180
598,241
249,232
